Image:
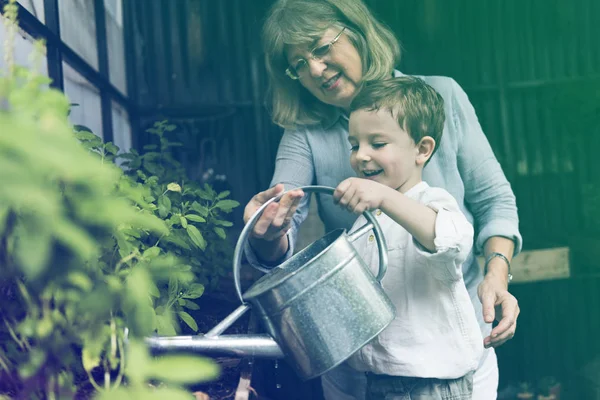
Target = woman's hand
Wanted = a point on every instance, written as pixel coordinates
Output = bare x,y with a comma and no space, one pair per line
498,304
268,235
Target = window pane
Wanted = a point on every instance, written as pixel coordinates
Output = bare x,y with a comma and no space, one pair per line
121,127
35,7
78,28
87,111
116,47
24,47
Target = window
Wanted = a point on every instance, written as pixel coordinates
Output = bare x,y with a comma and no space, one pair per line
35,8
87,62
85,100
116,46
24,48
78,28
121,127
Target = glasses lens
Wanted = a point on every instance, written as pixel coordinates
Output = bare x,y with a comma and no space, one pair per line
300,67
322,51
297,70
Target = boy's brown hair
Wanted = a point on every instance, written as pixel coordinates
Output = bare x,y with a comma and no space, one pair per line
417,107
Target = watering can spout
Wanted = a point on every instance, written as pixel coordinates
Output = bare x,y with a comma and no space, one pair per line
261,346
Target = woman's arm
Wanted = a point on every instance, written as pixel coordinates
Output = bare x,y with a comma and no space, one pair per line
492,202
497,302
273,237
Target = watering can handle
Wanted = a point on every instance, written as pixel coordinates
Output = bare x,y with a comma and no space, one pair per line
372,224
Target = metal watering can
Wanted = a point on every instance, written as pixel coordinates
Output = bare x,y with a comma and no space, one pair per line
318,308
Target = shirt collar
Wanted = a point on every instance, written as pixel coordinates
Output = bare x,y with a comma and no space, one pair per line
339,114
414,191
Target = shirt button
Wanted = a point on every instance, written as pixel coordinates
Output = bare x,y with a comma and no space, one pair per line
371,238
378,213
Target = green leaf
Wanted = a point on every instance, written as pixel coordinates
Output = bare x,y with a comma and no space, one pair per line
111,148
154,290
151,252
200,209
224,194
191,305
194,291
196,237
183,221
227,205
164,326
89,359
80,280
195,218
182,369
131,232
32,248
187,318
174,187
138,362
222,222
86,135
165,202
220,232
176,240
205,196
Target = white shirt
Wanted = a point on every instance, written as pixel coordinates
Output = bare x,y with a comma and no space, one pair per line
435,333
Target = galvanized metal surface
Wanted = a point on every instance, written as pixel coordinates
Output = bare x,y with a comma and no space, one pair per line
226,345
325,309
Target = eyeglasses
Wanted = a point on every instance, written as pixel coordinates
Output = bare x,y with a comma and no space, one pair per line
301,66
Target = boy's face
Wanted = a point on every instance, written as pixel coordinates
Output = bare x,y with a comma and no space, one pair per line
382,151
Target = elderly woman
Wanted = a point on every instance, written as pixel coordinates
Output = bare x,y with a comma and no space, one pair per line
318,52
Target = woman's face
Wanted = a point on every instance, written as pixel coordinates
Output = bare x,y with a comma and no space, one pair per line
334,78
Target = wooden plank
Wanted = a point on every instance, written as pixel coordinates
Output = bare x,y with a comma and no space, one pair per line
539,265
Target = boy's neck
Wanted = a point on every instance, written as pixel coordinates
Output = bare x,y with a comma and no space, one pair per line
411,183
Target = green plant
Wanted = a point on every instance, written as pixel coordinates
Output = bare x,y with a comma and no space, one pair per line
84,256
194,216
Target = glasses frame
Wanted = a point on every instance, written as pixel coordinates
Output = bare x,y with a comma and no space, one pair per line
294,75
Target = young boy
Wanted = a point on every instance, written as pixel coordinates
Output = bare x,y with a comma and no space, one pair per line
433,346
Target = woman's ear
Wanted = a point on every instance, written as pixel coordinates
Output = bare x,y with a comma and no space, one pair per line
425,149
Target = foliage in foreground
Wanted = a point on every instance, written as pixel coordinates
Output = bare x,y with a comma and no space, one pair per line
88,252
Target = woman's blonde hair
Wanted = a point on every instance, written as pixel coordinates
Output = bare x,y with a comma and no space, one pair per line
299,22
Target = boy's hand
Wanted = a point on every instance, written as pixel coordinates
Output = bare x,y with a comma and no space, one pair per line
359,195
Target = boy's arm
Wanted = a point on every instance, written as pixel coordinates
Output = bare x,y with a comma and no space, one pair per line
416,218
358,195
443,236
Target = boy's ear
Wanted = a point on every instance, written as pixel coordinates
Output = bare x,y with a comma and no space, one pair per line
425,149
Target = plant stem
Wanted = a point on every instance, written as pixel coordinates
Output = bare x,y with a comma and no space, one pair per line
121,362
106,375
13,334
93,381
125,260
51,390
